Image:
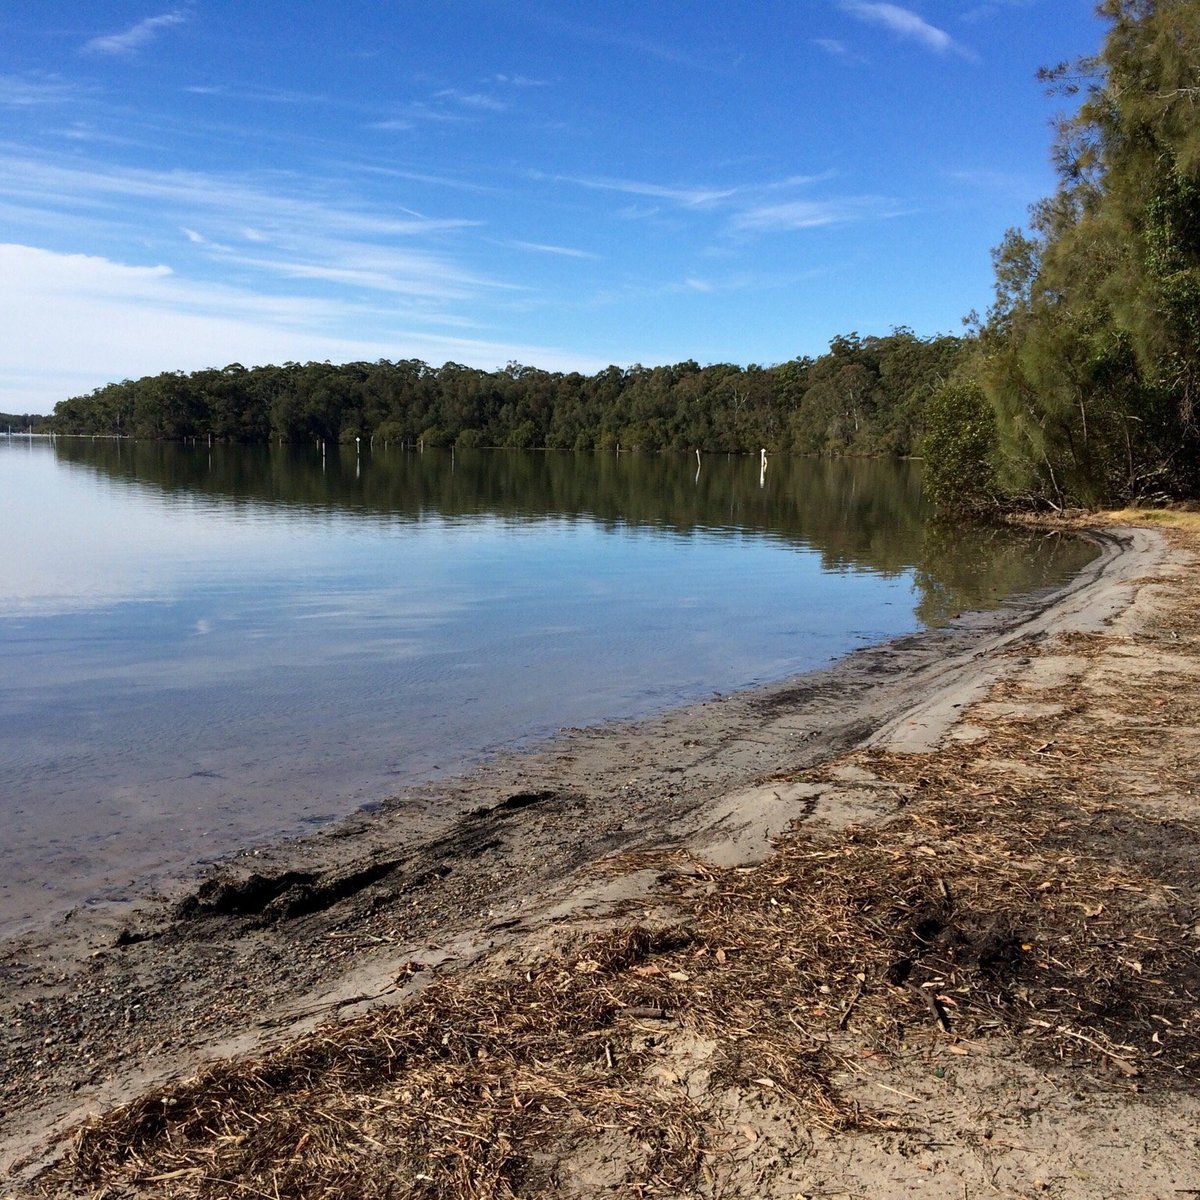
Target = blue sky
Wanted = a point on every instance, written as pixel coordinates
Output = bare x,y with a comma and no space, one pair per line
561,183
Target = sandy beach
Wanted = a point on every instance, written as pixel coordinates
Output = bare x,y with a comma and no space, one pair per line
924,923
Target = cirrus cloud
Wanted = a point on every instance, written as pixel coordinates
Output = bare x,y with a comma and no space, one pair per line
905,23
136,36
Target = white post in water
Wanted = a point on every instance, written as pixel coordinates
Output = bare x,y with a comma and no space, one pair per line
762,472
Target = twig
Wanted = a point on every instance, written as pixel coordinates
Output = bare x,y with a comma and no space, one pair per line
898,1092
850,1007
1123,1065
931,1003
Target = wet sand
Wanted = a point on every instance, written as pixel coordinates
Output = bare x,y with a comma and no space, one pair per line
103,1005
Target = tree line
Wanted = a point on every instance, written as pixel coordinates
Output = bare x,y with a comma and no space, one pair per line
865,396
24,423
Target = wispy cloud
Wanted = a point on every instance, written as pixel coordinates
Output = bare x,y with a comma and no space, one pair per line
833,47
408,116
750,208
361,251
638,212
479,101
794,181
839,50
373,269
226,198
136,36
905,23
32,91
1010,183
84,131
520,81
542,248
626,39
633,291
259,95
448,106
690,197
813,214
446,181
984,12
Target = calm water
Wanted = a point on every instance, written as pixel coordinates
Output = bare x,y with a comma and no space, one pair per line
203,648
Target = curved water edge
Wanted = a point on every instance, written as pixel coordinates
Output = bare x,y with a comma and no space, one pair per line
214,650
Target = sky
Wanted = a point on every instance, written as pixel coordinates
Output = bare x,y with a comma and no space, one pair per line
560,183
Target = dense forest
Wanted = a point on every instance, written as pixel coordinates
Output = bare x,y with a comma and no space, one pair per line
865,396
1080,385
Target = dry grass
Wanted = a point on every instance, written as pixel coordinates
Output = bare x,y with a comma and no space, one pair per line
1051,904
1186,521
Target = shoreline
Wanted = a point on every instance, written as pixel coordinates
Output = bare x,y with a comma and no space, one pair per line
427,794
203,743
277,941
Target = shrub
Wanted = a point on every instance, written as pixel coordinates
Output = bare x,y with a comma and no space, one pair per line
960,448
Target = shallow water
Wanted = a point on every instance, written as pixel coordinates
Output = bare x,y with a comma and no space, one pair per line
204,648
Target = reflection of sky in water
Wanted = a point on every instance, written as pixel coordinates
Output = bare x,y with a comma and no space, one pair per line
183,674
115,585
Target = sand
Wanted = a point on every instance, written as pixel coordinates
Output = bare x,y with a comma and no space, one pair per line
486,876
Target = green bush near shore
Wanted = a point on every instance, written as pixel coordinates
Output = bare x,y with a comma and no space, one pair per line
960,449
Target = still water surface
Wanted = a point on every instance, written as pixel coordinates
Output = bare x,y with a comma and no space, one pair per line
203,648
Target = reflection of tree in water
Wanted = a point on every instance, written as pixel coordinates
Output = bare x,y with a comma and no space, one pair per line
858,514
957,572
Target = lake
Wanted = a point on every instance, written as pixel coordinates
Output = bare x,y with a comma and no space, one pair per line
208,647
